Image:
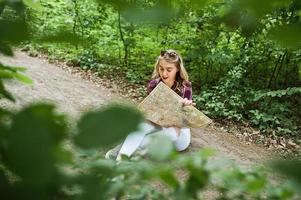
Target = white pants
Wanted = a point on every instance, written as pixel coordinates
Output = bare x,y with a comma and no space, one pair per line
141,138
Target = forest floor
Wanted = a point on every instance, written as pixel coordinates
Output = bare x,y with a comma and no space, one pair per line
75,91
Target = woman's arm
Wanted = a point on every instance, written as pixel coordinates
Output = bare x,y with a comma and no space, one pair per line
151,85
187,90
187,94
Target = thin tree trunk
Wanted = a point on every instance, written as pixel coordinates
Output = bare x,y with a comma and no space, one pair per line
280,67
207,72
75,19
275,68
199,76
44,20
123,40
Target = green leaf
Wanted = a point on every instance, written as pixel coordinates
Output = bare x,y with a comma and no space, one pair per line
158,14
207,152
287,35
15,68
198,4
4,93
12,68
12,72
5,49
198,178
290,168
23,78
161,147
106,126
5,189
94,186
63,155
285,193
169,178
255,184
36,132
13,31
260,8
6,74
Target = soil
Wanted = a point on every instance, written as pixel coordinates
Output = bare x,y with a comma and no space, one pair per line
75,91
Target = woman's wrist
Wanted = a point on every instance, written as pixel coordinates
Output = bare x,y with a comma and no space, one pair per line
187,102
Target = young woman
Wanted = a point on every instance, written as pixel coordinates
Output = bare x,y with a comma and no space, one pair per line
170,70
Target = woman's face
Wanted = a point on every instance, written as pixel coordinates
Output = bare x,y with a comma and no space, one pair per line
168,72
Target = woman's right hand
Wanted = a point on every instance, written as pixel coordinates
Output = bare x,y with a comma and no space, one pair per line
187,102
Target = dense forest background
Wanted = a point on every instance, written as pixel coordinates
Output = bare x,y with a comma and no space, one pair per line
243,58
244,64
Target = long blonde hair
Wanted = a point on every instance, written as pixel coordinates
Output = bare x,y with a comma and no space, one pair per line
171,56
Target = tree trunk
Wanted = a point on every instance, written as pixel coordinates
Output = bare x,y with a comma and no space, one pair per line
123,40
275,68
281,64
75,19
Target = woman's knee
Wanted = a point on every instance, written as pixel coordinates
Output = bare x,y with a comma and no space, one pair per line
183,140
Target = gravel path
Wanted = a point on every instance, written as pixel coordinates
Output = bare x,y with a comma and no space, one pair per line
74,95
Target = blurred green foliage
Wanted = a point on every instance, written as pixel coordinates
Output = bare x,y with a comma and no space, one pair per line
92,124
36,163
42,157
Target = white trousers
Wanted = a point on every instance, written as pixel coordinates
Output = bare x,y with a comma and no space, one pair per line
141,137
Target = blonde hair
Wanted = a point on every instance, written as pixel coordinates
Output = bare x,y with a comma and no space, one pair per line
171,56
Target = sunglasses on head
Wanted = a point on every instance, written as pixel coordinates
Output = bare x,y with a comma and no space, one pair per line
170,54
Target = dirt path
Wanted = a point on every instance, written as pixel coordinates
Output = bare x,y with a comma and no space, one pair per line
74,95
52,84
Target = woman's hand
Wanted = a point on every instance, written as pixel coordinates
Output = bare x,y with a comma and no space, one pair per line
187,102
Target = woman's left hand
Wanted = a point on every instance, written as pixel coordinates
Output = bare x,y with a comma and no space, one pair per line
187,102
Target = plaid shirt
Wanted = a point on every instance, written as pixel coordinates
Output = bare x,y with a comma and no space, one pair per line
185,93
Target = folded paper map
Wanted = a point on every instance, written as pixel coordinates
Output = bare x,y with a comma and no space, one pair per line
164,107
